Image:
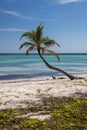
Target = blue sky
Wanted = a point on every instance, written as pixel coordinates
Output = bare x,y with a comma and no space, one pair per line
64,21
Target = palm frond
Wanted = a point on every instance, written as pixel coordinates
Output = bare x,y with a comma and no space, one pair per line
43,50
57,44
30,49
29,35
39,32
36,40
53,53
25,44
49,42
44,39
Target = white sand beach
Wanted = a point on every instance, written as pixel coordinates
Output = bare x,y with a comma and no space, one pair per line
22,92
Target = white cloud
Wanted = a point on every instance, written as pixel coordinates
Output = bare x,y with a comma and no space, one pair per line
14,13
12,30
68,1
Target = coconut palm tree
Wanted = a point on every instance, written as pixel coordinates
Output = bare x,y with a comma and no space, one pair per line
41,44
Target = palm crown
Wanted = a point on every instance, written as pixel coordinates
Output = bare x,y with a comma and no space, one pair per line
36,41
41,44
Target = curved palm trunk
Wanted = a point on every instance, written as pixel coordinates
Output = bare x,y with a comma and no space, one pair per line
54,68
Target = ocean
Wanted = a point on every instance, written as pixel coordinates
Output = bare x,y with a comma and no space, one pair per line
14,66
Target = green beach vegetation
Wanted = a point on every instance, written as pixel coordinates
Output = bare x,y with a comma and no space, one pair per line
41,44
65,114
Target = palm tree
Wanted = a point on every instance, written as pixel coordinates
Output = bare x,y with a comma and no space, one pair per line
41,44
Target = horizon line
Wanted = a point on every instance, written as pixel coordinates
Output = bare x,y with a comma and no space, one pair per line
46,53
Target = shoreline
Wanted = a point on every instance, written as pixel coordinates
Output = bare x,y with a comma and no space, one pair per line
24,92
39,77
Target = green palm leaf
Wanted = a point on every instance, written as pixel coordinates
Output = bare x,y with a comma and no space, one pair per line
49,42
25,44
29,35
30,49
53,53
43,50
39,32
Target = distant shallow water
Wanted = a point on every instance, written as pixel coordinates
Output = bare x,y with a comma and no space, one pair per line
14,66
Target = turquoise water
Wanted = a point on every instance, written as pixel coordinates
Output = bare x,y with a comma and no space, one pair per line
14,66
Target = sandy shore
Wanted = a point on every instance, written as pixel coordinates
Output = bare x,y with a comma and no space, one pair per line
22,92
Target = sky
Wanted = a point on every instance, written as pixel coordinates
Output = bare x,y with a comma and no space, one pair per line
64,21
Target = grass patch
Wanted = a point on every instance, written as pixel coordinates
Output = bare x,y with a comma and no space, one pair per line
66,114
